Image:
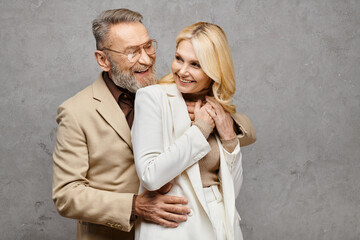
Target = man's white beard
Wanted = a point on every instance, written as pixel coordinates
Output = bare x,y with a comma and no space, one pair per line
127,80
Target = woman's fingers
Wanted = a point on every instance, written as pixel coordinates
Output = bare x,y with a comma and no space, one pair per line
218,108
223,120
212,115
197,105
211,112
202,114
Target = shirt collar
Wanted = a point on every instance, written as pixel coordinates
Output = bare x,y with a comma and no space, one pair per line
115,90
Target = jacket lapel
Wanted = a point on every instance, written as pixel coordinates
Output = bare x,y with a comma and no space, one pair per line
182,122
193,173
109,109
179,111
227,186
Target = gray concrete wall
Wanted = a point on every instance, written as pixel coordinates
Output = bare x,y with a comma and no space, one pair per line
297,66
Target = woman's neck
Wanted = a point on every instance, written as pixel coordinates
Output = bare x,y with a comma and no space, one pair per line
198,95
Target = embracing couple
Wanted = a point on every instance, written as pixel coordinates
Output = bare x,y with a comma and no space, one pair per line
164,164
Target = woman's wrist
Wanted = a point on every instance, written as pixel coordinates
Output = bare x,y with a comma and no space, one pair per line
228,136
229,145
204,127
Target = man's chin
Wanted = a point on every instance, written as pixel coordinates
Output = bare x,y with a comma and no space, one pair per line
149,80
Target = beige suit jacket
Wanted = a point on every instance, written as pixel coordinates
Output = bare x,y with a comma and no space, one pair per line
94,176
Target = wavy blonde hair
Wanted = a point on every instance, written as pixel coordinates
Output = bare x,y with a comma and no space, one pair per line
213,52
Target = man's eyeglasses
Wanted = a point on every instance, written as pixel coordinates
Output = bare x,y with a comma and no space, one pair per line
133,54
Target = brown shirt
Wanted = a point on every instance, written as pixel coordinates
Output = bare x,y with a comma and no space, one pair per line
124,98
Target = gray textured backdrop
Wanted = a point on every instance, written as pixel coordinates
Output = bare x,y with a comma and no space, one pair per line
297,66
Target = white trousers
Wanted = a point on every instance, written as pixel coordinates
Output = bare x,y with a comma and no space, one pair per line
215,204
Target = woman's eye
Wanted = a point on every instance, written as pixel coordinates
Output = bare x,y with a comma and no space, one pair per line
178,58
196,65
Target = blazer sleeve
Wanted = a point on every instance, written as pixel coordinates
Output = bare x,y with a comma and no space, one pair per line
234,164
156,163
72,194
244,128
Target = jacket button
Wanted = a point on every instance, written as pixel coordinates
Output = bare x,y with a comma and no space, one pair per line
191,213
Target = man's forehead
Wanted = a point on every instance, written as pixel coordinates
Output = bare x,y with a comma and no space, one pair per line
127,35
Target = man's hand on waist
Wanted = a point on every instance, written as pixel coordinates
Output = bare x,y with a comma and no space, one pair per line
161,209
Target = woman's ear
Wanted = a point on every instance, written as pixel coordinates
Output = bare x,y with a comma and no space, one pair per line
102,60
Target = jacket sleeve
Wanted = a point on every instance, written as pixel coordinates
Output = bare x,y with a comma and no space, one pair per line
156,163
244,129
72,194
234,163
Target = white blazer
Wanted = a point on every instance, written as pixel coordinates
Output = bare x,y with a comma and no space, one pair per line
167,148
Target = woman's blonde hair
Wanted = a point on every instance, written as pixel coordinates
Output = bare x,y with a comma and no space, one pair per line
213,52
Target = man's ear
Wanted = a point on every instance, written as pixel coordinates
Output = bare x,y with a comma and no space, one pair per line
102,60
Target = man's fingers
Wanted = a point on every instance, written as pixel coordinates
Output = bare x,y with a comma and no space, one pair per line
176,209
174,200
175,217
165,223
161,209
170,216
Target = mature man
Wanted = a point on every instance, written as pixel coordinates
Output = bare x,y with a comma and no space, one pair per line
94,176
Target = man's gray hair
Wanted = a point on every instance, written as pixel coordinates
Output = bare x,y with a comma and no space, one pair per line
101,25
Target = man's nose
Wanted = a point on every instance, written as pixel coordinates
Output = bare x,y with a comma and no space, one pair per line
145,58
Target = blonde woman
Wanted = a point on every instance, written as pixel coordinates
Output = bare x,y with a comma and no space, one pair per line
201,159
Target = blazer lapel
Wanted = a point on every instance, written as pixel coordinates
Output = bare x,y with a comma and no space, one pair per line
109,109
193,173
227,186
179,111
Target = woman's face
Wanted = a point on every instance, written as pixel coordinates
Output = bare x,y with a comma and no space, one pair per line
188,75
